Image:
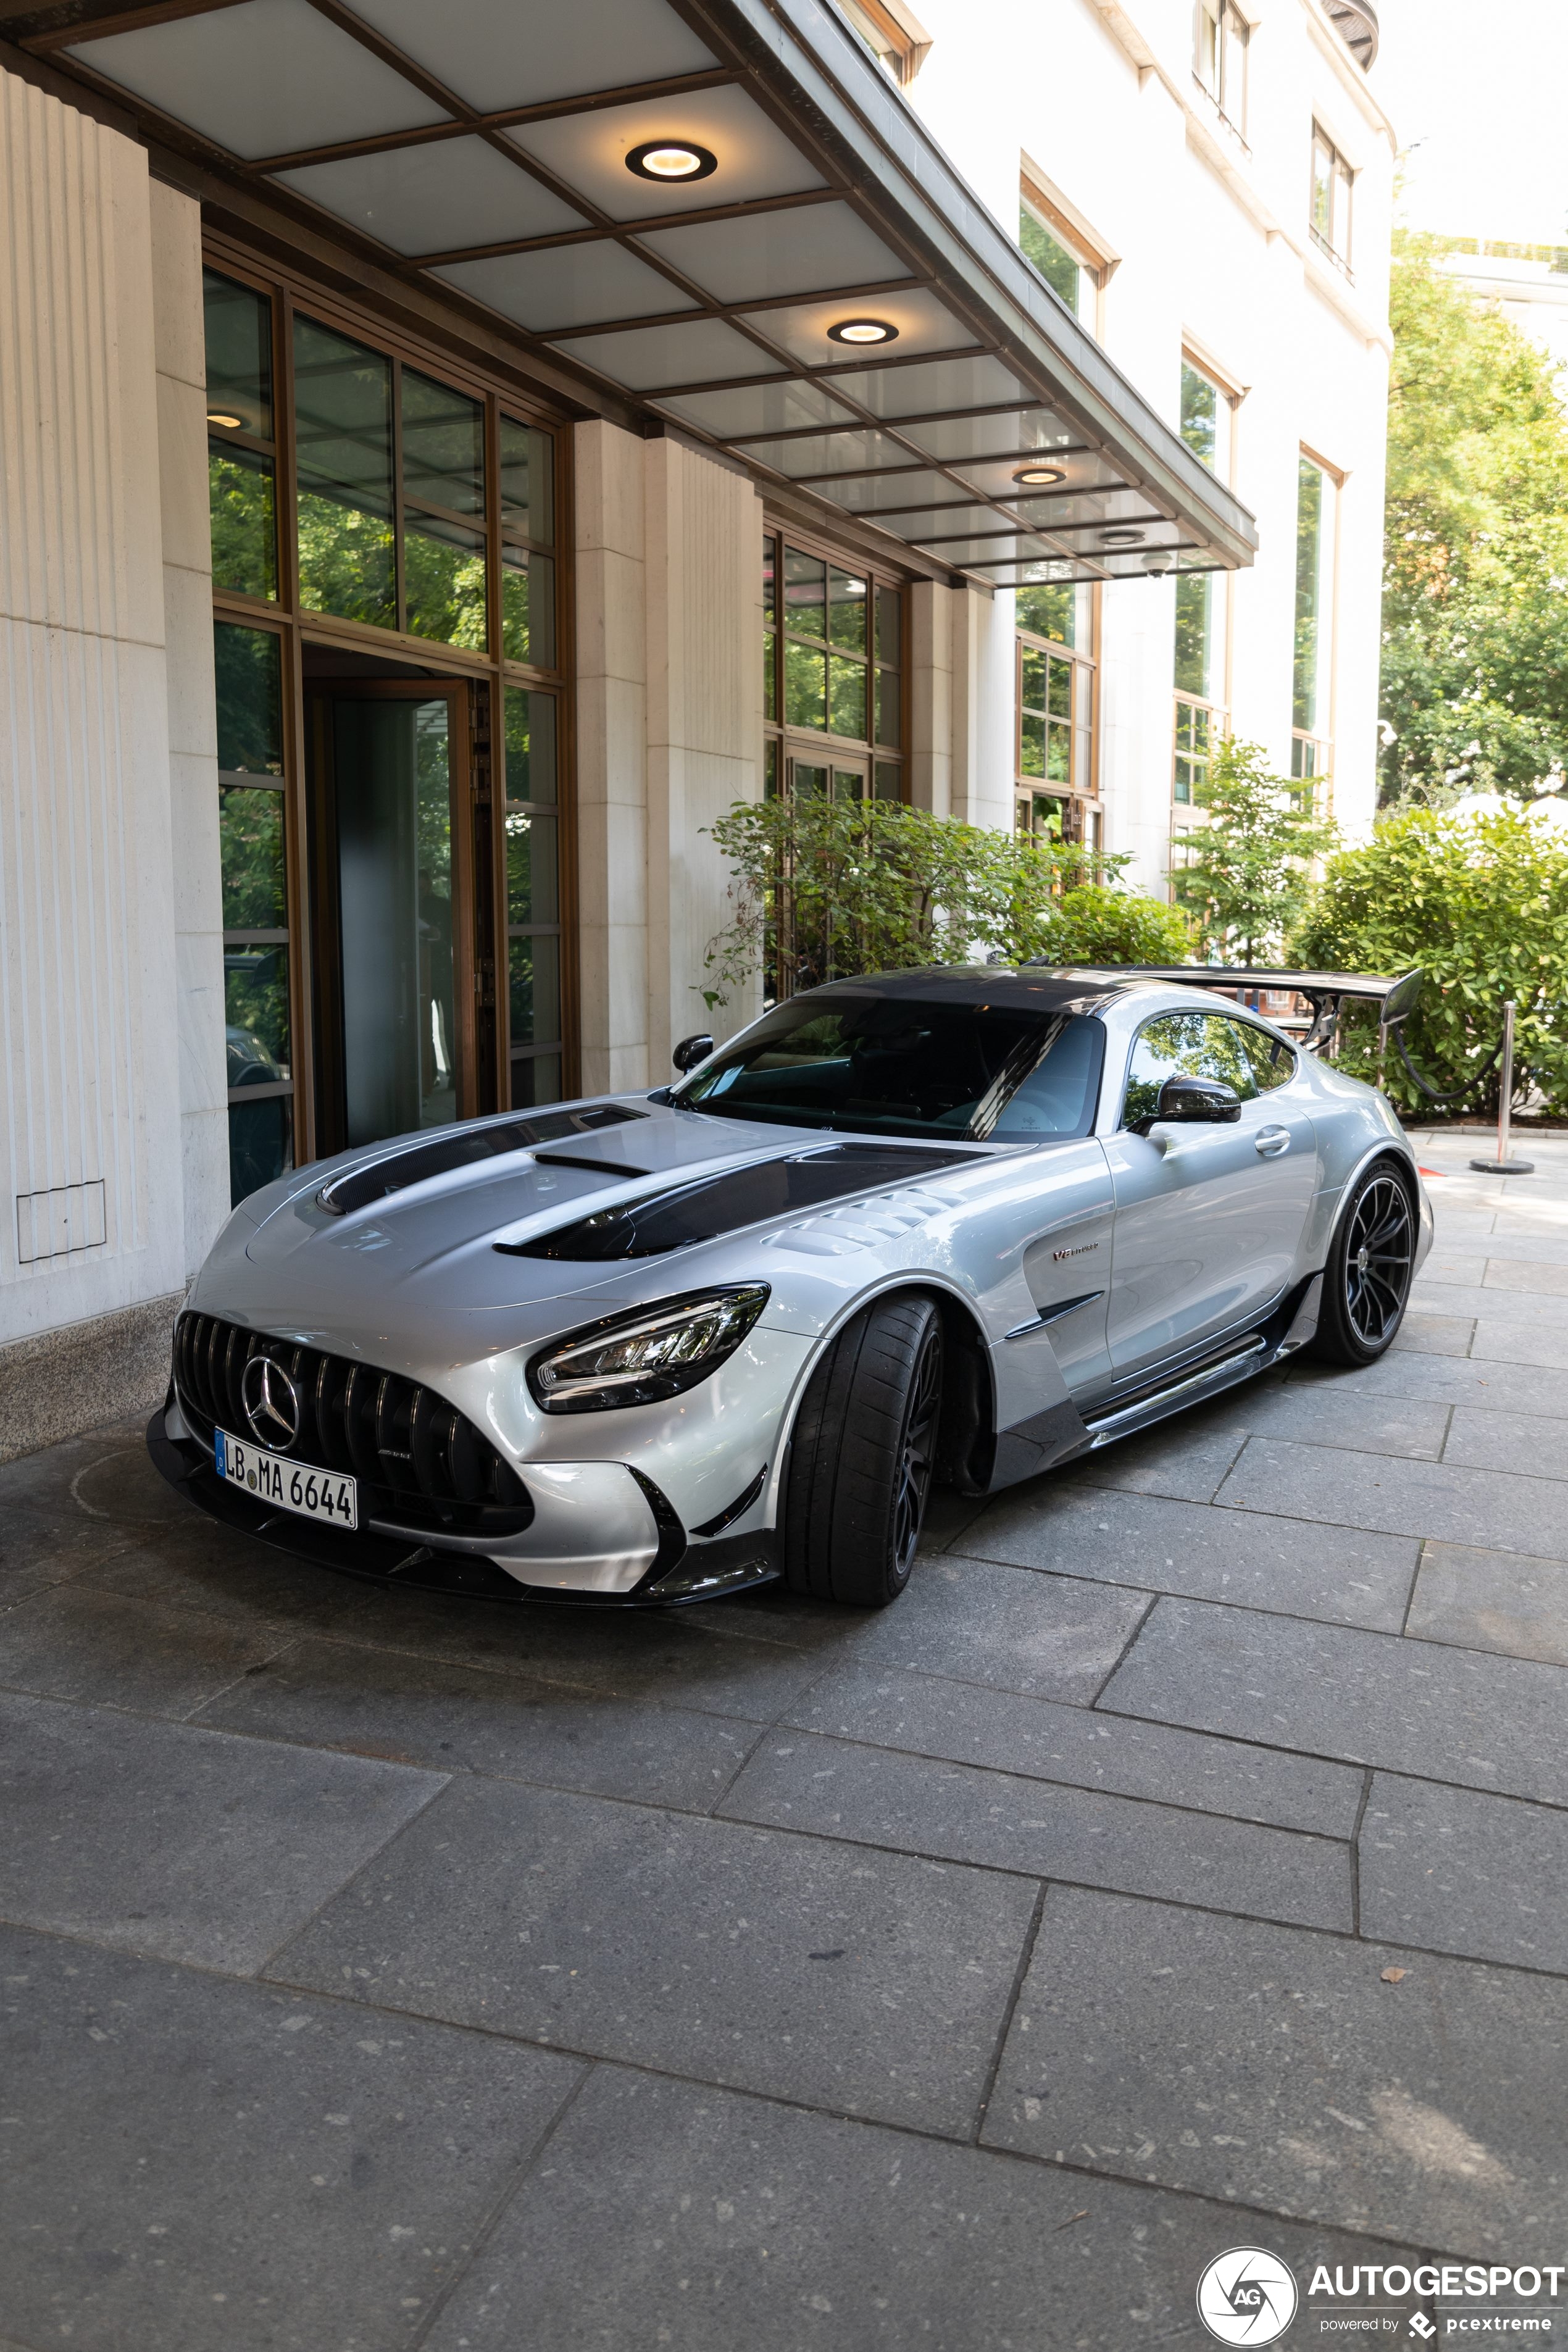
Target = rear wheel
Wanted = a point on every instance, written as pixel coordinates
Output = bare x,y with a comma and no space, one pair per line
1366,1283
862,1454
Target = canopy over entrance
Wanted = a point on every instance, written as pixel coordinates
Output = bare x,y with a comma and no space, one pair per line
722,209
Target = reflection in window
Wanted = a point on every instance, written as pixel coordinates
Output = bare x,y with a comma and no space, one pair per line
343,399
1314,535
833,665
532,895
1057,265
443,513
241,462
1054,761
1196,1046
528,531
1329,209
253,845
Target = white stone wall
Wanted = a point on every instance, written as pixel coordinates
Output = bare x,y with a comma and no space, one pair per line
90,1108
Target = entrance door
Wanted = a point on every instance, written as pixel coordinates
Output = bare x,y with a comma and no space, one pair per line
395,909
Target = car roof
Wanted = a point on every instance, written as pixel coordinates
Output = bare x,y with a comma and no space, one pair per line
1039,988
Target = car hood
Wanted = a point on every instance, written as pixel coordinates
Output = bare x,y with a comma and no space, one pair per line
445,1264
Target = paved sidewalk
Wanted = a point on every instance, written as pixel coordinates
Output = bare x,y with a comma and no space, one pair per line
381,1972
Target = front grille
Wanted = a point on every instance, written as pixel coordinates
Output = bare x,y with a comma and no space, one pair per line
420,1463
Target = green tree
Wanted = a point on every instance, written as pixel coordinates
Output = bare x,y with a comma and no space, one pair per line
1480,902
1474,654
823,889
1244,877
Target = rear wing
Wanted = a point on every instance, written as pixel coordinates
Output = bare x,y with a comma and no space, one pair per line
1325,992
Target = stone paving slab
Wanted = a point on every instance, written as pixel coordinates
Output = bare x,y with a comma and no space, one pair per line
662,2213
1444,1501
1368,1699
1186,1460
184,1844
1483,1301
874,1984
1443,1266
1502,1601
1540,1277
917,1804
1442,1380
1275,2066
1192,1548
926,1715
42,1548
75,1641
1457,1872
195,2165
413,1710
1533,1448
1517,1342
1434,1334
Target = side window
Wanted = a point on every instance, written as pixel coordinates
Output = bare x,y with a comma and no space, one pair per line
1187,1044
1272,1060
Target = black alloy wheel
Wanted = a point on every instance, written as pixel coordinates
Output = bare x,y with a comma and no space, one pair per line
862,1456
1366,1283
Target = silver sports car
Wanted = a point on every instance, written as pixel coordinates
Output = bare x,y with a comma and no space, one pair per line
957,1225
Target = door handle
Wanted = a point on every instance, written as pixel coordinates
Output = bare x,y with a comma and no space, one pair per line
1270,1142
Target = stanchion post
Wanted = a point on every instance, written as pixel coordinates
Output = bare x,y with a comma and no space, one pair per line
1502,1165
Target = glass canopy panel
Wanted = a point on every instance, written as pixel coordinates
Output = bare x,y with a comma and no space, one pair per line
871,493
344,456
929,386
797,251
922,324
267,77
434,199
986,549
1099,506
933,521
588,152
495,55
830,453
1004,433
647,357
758,408
571,286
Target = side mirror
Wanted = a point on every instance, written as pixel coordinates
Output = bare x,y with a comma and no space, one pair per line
690,1051
1189,1102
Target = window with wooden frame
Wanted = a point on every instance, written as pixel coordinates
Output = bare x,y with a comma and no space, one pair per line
834,671
1056,790
1072,258
1221,36
379,518
1329,201
1312,667
893,34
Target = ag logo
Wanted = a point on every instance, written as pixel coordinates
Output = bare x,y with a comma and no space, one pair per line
1247,2297
271,1402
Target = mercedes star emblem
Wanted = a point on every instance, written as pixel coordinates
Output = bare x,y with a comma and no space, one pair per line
271,1402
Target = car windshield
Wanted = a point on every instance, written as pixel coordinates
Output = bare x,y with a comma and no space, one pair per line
903,1065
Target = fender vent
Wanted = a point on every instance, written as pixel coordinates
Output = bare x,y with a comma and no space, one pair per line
420,1463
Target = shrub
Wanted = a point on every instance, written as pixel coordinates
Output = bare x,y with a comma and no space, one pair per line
1244,875
1480,902
822,890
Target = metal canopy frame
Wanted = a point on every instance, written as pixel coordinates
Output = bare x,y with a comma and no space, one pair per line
995,342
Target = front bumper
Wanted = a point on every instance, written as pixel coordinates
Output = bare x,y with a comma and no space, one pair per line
600,1535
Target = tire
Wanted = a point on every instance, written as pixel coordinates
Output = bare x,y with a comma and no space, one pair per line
861,1457
1366,1283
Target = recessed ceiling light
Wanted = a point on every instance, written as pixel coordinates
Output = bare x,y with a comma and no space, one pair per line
863,331
671,159
1039,478
1122,538
222,416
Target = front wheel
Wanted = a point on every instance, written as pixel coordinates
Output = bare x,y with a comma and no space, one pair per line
861,1457
1366,1283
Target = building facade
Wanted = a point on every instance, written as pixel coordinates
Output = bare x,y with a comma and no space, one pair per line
451,456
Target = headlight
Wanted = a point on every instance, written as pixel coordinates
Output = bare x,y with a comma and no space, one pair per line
643,1358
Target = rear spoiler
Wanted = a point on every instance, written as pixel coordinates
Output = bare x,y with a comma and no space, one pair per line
1326,991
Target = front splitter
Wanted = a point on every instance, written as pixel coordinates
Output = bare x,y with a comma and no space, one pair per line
708,1571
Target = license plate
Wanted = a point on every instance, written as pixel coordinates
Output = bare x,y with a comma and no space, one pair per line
321,1495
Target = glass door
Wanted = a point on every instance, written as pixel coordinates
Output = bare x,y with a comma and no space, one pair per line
396,914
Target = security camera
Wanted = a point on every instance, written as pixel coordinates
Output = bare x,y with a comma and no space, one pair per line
1159,559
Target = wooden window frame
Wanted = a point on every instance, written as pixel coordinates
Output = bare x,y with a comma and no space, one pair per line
818,747
1342,178
289,289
